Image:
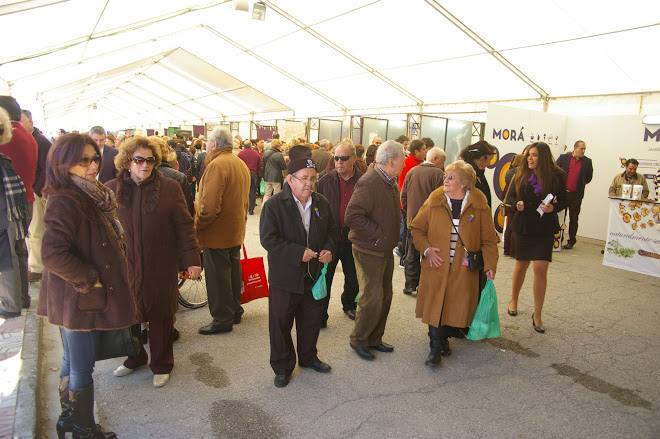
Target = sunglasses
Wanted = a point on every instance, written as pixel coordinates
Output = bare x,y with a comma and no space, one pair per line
140,160
343,158
86,161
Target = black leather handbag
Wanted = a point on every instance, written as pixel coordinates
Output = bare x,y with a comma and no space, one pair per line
118,343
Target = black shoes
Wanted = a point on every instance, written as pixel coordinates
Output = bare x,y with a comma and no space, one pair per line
350,313
237,319
569,245
324,323
281,380
434,359
214,328
319,366
408,292
383,347
539,329
363,353
9,314
251,212
175,334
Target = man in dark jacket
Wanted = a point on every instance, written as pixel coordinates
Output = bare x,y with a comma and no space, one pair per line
337,186
272,165
373,216
417,186
36,233
108,170
579,171
298,232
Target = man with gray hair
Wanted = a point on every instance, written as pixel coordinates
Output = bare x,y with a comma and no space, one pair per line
417,186
220,215
108,170
322,155
373,217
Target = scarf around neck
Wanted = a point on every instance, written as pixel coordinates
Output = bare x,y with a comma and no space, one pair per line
536,185
105,200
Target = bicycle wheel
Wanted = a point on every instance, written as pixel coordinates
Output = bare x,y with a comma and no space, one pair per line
192,292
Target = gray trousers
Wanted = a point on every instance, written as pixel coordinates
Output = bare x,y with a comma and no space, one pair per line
222,268
11,285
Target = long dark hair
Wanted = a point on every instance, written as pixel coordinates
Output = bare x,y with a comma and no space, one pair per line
545,168
65,153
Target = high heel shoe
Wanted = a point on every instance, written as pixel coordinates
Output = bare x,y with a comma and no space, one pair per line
539,329
511,312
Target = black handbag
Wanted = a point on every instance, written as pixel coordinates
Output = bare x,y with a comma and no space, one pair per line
475,259
118,343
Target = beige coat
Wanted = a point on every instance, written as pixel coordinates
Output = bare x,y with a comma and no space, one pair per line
222,202
452,290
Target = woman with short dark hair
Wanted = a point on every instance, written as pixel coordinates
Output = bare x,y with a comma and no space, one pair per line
161,241
478,156
84,288
533,232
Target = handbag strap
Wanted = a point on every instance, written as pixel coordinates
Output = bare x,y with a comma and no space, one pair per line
244,252
451,220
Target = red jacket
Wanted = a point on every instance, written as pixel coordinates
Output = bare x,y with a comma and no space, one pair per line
23,153
410,163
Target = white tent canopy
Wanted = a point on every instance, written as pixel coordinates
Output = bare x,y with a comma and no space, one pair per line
153,62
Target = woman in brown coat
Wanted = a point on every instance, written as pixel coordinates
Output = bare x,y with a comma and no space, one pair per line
84,288
448,292
161,240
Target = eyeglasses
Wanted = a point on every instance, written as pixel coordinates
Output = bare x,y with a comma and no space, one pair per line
343,158
309,181
140,160
86,161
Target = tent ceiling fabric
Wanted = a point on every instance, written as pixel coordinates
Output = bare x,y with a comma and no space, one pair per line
159,61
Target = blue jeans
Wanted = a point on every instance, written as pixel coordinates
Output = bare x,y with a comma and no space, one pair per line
79,357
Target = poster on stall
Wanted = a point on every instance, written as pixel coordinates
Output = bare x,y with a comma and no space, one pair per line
633,237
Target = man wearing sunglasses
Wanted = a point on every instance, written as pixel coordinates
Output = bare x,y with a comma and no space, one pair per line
108,170
337,186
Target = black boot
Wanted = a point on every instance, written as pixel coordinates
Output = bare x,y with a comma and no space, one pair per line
84,427
435,357
65,421
445,350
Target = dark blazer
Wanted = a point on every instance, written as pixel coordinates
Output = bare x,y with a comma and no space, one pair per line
283,236
528,222
43,146
328,185
586,172
108,170
77,251
160,237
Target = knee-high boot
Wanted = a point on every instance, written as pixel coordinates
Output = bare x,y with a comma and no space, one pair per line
435,341
445,350
65,421
84,426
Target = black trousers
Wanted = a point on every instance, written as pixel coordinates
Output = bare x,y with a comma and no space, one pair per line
254,188
222,268
412,265
351,287
573,205
283,309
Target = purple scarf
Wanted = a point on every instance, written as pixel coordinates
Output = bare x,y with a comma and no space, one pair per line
534,181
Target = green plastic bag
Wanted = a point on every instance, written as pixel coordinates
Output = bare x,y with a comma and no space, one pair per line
320,288
486,321
262,187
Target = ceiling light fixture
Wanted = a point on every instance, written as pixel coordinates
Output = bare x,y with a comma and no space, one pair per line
259,11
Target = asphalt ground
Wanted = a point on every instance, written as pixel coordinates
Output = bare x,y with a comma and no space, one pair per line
594,374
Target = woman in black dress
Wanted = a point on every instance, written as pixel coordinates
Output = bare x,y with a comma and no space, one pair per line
533,233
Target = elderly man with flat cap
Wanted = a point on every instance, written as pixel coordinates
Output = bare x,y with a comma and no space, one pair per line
298,232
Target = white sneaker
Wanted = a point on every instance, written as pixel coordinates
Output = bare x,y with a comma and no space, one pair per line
122,371
161,379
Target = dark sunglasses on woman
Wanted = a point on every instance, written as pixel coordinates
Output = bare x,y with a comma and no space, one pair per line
139,160
86,161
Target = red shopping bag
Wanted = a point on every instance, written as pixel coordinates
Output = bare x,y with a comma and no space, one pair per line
254,284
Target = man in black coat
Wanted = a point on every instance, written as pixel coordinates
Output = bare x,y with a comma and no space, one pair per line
108,170
579,171
337,186
298,232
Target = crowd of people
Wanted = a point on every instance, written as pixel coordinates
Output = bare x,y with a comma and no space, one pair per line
125,215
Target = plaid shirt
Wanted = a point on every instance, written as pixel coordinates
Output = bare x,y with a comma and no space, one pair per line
15,196
390,180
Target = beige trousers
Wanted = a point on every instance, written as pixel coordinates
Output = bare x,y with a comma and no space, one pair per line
36,234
